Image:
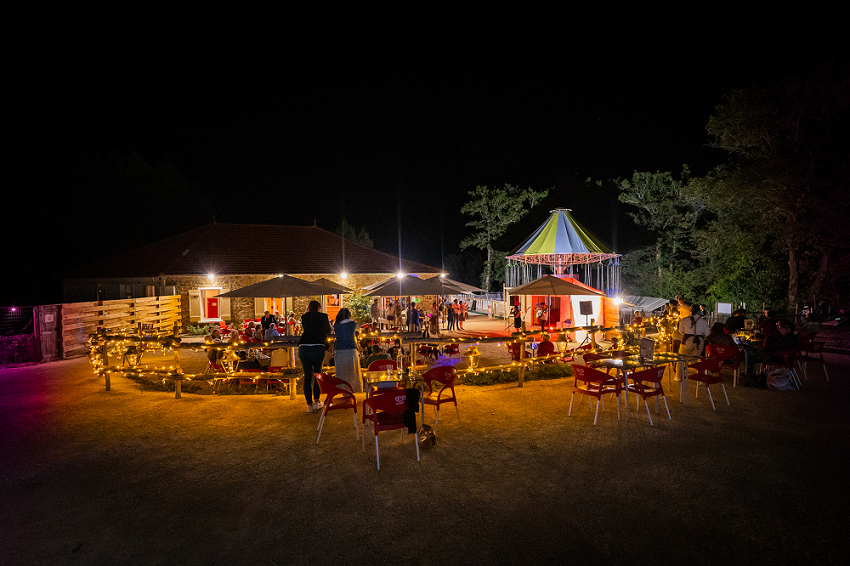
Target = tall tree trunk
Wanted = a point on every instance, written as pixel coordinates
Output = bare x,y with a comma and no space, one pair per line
792,279
487,270
816,286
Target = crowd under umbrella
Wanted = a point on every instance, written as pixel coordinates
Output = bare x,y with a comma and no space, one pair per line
569,249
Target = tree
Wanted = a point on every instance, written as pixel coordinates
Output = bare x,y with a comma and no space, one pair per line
349,232
788,139
495,209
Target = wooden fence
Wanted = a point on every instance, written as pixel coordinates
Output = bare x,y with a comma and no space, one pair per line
79,320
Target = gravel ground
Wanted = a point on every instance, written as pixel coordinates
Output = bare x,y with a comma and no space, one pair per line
130,477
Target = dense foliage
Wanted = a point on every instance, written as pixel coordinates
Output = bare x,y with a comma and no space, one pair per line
771,225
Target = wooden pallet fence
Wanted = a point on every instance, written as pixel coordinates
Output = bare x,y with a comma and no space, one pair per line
79,320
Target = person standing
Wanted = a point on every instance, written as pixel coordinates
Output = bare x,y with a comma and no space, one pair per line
346,357
375,313
516,314
267,320
311,351
694,331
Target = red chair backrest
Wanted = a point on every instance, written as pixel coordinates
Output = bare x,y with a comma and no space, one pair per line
653,375
452,349
330,385
445,375
590,375
619,354
545,348
394,402
722,352
515,349
711,364
591,357
382,365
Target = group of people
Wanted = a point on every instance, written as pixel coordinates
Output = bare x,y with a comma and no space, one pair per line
692,333
447,315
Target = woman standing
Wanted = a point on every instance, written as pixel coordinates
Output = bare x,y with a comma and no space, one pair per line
346,358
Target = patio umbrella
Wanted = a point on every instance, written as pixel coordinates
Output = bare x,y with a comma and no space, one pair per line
400,287
551,285
444,286
282,286
332,285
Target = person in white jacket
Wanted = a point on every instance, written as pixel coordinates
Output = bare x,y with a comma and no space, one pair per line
694,330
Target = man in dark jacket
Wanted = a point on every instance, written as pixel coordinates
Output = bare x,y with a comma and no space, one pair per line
311,351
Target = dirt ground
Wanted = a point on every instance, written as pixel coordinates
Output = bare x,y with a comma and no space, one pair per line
130,477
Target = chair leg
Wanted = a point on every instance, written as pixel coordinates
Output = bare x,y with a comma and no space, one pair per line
437,420
597,411
668,407
647,413
571,404
377,452
707,388
826,373
416,444
356,428
724,394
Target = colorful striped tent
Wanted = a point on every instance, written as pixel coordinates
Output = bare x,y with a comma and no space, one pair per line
564,245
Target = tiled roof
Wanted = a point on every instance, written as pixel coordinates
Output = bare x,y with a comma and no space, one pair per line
234,249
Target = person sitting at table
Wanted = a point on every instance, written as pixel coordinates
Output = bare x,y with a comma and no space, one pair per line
270,333
377,354
215,336
234,336
767,324
258,333
784,339
735,323
719,337
395,349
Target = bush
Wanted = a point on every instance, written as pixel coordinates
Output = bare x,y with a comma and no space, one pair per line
538,372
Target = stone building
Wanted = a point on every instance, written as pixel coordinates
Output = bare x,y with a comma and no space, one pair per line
201,264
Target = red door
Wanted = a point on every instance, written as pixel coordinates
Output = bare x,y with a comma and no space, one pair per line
212,307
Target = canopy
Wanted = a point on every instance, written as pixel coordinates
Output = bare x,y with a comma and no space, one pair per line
551,285
332,285
412,285
283,286
561,240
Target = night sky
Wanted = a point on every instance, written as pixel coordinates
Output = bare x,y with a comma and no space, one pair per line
286,125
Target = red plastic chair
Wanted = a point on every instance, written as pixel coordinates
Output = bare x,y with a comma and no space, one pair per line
708,372
594,383
647,383
514,350
385,411
382,365
545,348
810,352
731,358
338,396
426,351
452,350
445,377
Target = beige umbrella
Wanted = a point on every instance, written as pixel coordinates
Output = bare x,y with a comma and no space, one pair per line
282,286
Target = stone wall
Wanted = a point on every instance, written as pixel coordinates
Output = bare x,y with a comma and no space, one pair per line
243,308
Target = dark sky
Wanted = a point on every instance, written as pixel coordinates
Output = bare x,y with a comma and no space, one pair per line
389,130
